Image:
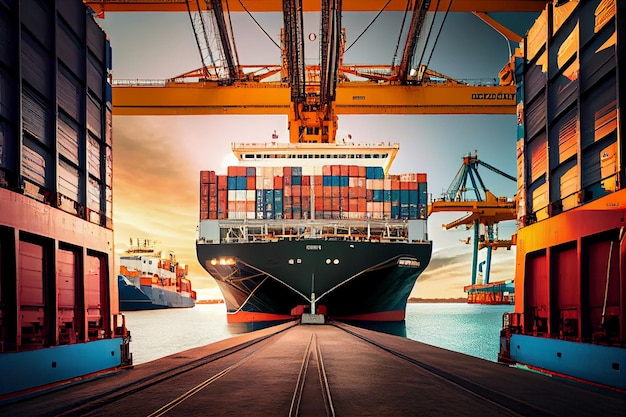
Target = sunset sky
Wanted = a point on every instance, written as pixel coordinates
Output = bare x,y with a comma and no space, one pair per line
157,160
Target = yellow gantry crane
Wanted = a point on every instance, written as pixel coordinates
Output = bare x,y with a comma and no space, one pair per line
485,209
312,96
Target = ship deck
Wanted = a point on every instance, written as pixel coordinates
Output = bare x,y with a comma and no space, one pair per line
323,370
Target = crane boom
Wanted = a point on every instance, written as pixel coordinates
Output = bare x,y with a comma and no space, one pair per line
228,48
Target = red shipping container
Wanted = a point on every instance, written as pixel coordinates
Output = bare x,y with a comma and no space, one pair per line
222,182
369,195
334,204
296,190
344,170
395,184
306,180
286,171
306,203
287,181
343,191
319,190
412,185
327,204
287,191
334,192
306,190
204,190
362,172
204,204
404,185
353,205
319,204
213,190
296,202
204,177
242,171
327,190
278,183
204,215
335,170
251,183
232,171
213,216
318,180
212,205
421,177
353,171
326,170
287,214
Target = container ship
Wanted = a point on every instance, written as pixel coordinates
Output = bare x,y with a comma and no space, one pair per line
58,295
319,229
570,281
151,280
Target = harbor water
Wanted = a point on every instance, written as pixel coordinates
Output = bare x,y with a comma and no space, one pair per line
472,329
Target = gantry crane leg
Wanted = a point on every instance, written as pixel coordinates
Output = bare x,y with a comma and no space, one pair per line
475,254
489,249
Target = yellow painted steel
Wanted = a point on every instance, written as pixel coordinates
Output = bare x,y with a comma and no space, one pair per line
489,212
206,98
314,5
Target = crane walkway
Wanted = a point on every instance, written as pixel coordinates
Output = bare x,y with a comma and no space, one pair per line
317,370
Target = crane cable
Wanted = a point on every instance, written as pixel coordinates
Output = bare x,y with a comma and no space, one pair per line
439,33
432,23
258,24
196,35
232,38
368,26
395,54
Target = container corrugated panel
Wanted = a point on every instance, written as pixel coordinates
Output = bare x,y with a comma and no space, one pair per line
36,116
94,116
108,155
33,165
536,117
594,16
93,157
8,96
563,48
93,195
68,93
561,13
68,138
69,178
74,14
96,42
537,35
537,152
69,49
599,119
8,47
563,90
597,58
535,77
564,138
95,76
37,68
539,201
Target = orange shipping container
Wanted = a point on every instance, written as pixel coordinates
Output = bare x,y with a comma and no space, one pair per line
328,204
232,171
306,180
353,171
213,190
204,190
334,192
395,184
318,180
278,183
319,190
334,204
250,206
362,205
306,190
421,178
362,172
344,170
296,190
412,185
326,170
287,191
319,204
222,182
344,191
204,177
251,183
335,170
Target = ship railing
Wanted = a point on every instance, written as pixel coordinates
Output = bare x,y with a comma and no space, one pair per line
354,230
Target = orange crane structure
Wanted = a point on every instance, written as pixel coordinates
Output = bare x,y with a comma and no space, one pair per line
312,96
486,210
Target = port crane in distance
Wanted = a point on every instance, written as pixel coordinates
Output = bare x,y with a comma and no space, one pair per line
485,209
312,96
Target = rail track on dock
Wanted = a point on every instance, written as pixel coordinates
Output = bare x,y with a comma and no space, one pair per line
298,370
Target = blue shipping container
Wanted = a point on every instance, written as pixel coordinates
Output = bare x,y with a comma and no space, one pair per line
232,183
296,180
242,183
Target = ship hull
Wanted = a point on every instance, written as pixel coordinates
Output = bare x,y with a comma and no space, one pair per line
350,280
133,298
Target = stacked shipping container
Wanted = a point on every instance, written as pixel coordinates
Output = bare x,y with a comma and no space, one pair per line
337,192
568,150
